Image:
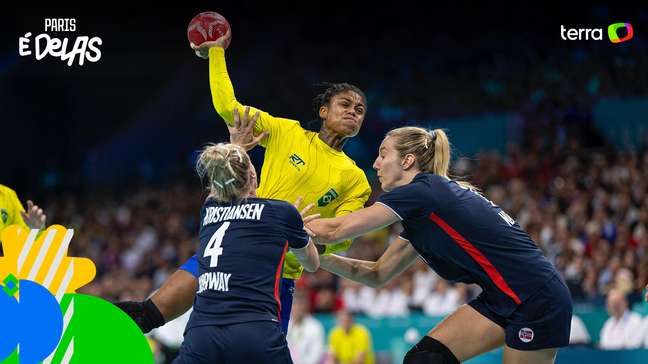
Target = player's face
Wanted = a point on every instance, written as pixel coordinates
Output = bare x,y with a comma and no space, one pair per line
344,114
388,165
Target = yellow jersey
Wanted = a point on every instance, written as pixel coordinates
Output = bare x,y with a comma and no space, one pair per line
347,346
10,208
297,162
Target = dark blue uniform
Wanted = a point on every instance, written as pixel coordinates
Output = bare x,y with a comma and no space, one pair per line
235,316
466,238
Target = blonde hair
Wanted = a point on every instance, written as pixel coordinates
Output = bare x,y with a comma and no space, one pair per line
226,169
430,147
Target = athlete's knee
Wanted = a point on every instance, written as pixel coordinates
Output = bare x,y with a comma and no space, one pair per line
430,351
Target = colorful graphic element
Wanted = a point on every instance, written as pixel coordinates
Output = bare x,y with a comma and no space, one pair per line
44,259
612,32
43,320
99,332
34,323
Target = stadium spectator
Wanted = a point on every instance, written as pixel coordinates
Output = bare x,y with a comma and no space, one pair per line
349,342
621,330
305,334
424,280
578,334
644,331
445,299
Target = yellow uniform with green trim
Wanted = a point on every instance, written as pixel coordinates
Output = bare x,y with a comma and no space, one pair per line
10,208
346,346
297,162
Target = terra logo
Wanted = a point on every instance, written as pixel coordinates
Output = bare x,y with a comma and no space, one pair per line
597,33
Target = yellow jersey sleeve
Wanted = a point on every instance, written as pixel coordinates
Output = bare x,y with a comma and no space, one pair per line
225,102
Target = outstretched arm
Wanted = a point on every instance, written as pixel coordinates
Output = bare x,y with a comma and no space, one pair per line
225,101
398,257
363,221
222,91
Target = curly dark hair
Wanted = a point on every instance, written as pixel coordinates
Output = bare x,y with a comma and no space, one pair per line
331,90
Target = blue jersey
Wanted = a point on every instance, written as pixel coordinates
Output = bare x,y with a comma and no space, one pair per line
466,238
240,260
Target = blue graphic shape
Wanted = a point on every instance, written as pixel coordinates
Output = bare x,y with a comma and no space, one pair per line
35,323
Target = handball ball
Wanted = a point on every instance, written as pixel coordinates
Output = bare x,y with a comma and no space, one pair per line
208,26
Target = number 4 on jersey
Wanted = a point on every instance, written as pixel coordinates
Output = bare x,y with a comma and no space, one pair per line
213,248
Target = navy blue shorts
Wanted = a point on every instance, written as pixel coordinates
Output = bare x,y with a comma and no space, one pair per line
249,342
542,321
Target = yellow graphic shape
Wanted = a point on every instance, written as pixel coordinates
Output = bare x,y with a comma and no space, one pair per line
42,258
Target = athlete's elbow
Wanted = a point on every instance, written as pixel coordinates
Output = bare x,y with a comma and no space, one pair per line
223,109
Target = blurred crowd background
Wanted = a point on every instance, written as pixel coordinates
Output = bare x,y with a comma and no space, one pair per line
555,132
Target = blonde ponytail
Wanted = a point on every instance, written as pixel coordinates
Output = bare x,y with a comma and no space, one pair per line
430,147
226,168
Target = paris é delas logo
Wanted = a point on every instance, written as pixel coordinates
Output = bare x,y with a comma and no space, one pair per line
329,196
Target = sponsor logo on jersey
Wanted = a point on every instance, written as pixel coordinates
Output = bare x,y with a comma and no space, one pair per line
5,215
296,161
525,334
329,196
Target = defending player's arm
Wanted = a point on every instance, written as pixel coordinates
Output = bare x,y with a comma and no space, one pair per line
307,256
398,257
359,195
298,240
339,228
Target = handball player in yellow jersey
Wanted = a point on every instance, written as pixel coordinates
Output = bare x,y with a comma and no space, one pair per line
13,213
297,163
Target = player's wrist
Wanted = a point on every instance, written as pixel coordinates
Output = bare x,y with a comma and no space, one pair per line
153,314
215,51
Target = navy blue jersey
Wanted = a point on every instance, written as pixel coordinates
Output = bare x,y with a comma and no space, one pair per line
240,260
466,238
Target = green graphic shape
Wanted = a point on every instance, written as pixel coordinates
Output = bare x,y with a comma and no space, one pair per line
100,332
10,285
12,359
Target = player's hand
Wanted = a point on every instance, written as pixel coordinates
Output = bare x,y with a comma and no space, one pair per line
34,216
303,213
202,50
242,133
145,314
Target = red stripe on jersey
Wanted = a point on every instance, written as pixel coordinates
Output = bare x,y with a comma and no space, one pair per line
278,280
477,256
